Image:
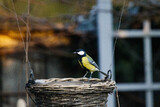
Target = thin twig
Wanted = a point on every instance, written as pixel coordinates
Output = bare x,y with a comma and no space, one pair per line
27,47
20,31
117,96
6,8
119,25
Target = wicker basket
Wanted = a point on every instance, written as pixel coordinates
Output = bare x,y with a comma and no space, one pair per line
71,92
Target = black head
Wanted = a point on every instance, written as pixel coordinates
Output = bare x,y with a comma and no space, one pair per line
80,52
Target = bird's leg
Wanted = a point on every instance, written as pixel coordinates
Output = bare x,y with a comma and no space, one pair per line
91,75
85,74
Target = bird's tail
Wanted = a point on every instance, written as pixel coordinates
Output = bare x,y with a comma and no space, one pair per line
108,75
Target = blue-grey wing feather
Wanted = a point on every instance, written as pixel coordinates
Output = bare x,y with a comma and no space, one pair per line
92,61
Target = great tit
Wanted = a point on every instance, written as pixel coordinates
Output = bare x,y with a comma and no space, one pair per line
87,63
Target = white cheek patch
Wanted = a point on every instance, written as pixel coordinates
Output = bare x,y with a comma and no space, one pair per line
81,52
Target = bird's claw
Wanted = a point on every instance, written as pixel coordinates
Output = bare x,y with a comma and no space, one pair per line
83,77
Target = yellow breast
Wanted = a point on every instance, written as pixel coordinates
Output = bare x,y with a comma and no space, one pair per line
86,64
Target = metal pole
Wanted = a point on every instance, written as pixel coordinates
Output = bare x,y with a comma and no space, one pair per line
148,69
148,64
105,32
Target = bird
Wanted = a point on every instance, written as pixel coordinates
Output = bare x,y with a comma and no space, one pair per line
87,63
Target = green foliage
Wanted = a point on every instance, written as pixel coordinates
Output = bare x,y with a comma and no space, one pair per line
49,8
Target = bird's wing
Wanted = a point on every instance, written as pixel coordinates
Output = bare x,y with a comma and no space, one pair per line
91,61
80,64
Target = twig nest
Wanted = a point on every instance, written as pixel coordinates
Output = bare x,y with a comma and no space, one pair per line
72,92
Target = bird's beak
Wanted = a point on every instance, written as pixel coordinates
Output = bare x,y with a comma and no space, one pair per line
74,52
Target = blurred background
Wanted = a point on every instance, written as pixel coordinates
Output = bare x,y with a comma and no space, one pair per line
59,27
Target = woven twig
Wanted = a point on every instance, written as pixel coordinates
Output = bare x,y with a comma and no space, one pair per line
66,92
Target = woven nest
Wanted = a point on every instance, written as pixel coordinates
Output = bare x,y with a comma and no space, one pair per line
67,92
